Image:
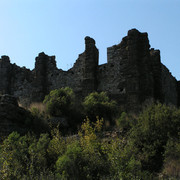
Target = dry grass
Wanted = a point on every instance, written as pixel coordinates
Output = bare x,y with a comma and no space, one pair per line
20,105
172,168
40,106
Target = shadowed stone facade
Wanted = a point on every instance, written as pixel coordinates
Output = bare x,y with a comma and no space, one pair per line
12,117
132,75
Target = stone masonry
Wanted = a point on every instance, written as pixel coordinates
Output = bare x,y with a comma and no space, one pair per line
132,75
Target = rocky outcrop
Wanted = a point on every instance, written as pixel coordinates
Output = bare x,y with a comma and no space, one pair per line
132,75
8,99
12,117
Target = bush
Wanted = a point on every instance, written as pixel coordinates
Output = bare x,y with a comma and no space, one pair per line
92,154
56,147
154,127
98,104
126,121
84,158
59,102
23,157
69,166
171,167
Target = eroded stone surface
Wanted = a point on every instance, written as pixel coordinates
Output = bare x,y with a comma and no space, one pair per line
8,99
12,117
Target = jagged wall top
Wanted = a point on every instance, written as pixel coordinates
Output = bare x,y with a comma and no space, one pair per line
132,74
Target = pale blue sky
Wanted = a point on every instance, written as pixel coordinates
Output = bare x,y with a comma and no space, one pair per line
58,27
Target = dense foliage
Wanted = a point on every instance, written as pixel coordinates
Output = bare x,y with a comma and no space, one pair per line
145,146
99,104
59,101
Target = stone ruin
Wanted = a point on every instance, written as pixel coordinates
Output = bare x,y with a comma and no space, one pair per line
132,75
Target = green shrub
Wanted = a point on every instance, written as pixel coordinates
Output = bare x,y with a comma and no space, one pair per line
56,147
59,102
155,125
14,160
123,160
85,158
126,121
93,154
99,104
38,154
151,145
23,156
171,167
68,166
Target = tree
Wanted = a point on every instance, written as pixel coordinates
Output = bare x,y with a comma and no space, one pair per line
24,157
84,158
99,104
171,167
69,166
156,124
59,102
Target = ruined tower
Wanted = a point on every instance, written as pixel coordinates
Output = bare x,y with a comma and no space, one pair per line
5,75
132,75
90,66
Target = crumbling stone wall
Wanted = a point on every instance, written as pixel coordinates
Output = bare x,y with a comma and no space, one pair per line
169,87
133,74
15,80
128,71
5,70
157,74
178,90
